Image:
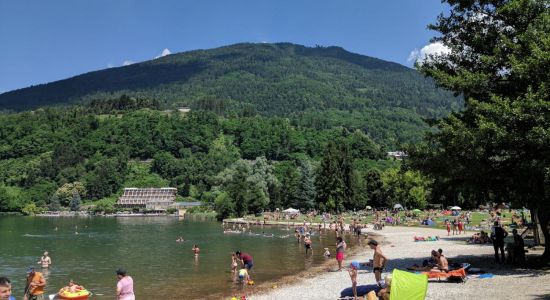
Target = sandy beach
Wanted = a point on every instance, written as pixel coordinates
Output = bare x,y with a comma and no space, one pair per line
399,247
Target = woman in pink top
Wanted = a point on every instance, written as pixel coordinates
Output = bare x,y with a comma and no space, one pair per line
125,286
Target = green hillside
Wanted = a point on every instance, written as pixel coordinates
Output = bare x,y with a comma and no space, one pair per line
272,79
271,126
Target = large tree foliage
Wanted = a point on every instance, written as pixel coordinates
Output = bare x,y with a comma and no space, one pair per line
498,147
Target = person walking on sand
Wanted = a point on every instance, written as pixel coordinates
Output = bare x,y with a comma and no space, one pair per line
379,261
340,249
45,260
5,289
124,286
35,285
448,227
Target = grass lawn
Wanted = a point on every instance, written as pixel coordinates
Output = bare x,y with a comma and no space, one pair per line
477,219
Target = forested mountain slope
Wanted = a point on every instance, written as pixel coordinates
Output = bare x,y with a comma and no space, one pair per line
271,79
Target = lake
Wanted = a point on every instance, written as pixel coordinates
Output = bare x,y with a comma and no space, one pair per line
146,247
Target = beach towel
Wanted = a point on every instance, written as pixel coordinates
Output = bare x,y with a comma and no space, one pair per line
459,274
361,290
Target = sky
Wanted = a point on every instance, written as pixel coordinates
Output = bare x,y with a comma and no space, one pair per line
43,41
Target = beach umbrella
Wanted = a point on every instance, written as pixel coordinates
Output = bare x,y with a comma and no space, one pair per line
398,206
417,210
291,211
368,207
456,208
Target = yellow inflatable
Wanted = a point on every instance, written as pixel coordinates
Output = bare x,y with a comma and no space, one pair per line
78,295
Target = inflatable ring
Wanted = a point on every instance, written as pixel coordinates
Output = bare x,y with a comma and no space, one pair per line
78,295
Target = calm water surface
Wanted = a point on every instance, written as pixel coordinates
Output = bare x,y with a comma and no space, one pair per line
146,247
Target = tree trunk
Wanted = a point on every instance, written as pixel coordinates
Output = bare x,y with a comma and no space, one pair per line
542,224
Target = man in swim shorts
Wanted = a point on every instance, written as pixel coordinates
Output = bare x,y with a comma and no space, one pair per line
378,261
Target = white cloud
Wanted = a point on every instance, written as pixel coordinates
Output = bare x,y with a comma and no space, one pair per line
127,62
110,66
165,52
421,55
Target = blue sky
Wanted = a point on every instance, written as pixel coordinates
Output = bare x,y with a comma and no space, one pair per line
43,41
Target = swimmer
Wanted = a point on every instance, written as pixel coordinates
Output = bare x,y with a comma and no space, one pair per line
45,260
196,250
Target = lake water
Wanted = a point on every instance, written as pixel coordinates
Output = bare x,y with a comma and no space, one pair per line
146,247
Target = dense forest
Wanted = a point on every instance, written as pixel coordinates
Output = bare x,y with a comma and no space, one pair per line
271,126
272,79
65,157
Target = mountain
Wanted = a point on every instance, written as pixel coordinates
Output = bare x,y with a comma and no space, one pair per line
272,79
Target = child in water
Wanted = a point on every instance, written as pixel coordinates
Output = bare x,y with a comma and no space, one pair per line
234,263
72,287
243,276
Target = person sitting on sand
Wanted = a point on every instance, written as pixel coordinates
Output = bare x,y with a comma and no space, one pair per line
442,263
384,293
353,276
71,287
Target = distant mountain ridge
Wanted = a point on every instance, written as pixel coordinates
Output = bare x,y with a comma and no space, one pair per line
272,79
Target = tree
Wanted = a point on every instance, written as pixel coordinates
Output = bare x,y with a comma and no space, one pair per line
305,193
334,183
375,188
499,144
54,204
75,202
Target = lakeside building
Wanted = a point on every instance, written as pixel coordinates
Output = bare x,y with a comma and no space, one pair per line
158,199
399,155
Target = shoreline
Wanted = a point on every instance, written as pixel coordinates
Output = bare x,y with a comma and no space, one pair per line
397,243
329,266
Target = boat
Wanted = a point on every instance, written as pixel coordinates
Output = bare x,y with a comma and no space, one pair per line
78,295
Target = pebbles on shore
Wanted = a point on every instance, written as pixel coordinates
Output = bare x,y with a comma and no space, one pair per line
402,251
